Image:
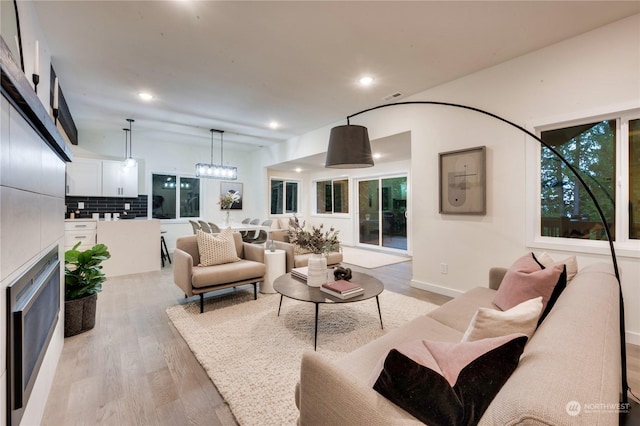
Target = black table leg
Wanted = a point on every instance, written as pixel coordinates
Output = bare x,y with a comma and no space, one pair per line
379,313
280,305
315,336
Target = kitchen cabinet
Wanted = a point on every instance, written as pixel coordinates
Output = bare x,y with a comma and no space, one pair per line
79,231
84,177
119,181
101,178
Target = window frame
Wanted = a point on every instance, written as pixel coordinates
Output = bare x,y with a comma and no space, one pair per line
332,213
624,246
285,181
179,177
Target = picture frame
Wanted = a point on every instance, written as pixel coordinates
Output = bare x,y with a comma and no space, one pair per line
233,187
462,181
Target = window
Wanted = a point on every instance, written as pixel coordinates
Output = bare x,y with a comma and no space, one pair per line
606,152
566,208
175,197
634,179
284,196
332,196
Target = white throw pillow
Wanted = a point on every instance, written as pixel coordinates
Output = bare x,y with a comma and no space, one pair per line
487,322
216,249
571,263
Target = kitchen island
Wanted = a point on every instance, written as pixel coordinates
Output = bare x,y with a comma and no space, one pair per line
134,245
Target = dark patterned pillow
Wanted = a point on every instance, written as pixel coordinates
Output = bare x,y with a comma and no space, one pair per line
443,383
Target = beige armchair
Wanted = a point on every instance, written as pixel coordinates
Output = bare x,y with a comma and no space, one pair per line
298,260
198,280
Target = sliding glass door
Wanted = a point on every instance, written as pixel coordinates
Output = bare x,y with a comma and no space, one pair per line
382,207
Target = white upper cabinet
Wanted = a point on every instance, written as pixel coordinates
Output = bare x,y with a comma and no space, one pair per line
118,180
101,178
84,177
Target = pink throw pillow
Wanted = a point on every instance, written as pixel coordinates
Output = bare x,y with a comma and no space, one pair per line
526,279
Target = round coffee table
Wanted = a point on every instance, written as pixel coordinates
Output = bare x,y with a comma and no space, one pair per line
296,289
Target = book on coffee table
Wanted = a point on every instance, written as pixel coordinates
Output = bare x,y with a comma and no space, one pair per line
342,289
300,273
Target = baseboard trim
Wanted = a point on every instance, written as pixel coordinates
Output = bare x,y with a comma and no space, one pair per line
632,337
434,288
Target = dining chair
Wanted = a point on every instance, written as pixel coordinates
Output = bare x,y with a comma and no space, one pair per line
246,220
214,228
194,225
249,236
204,226
261,238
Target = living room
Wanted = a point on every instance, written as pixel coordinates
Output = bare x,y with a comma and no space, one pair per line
558,84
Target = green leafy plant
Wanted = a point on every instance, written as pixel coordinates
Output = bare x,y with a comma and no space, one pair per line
317,240
83,274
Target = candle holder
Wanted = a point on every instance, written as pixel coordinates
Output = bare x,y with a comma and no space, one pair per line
36,79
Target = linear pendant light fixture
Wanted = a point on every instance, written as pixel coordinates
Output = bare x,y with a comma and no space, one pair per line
217,171
129,162
349,147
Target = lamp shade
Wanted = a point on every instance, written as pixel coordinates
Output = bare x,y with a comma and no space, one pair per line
349,148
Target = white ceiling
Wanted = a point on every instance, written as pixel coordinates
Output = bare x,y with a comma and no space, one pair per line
236,65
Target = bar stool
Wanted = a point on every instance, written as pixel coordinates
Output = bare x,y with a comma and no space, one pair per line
164,251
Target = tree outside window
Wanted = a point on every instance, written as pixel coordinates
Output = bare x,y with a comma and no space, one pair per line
566,208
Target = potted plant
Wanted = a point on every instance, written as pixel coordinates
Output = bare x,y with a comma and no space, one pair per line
317,241
83,278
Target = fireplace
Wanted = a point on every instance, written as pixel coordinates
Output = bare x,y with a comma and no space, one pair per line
33,307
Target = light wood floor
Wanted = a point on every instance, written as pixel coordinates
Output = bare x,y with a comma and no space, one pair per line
134,368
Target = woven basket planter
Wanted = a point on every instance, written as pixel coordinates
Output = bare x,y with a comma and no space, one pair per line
80,315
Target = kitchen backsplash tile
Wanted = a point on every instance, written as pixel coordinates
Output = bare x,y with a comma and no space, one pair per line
104,205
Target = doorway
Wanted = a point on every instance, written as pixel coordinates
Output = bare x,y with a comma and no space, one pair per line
382,212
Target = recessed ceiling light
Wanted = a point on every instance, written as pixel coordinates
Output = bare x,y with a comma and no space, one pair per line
298,169
377,155
274,124
366,80
145,96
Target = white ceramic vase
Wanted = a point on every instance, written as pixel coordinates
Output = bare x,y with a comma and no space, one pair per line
317,270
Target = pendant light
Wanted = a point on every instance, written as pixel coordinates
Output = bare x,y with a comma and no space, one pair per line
217,171
129,162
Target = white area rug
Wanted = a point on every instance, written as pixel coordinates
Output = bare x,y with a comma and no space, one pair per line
370,259
253,356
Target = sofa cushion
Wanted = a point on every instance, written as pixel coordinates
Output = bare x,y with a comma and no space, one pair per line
570,262
448,383
522,318
527,279
216,249
242,270
457,313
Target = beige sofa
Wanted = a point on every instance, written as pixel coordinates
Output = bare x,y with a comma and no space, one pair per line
198,280
572,360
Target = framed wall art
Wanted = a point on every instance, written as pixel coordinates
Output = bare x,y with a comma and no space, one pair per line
463,181
234,188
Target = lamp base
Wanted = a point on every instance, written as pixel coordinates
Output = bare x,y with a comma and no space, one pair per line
632,417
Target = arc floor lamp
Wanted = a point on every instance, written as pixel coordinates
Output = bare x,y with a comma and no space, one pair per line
349,147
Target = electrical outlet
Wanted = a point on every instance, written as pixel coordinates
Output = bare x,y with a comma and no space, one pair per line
127,206
444,268
80,205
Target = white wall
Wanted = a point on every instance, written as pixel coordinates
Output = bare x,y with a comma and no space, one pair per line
598,71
